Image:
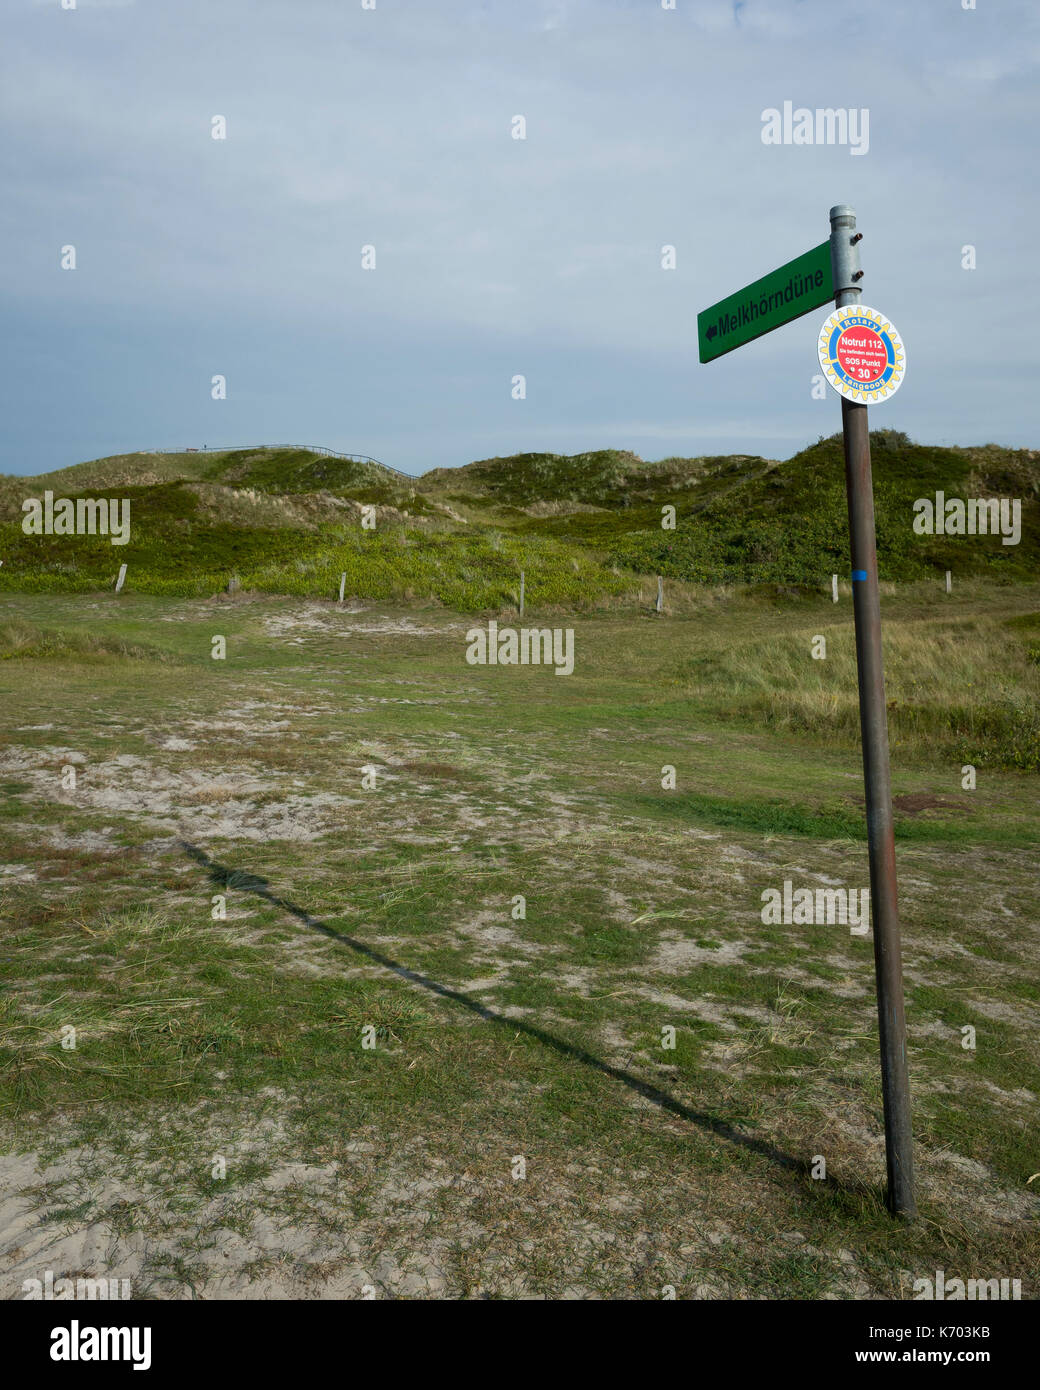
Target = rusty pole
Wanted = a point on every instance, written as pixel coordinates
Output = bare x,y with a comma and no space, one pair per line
873,717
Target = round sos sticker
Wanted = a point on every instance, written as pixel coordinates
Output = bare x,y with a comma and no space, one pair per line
861,353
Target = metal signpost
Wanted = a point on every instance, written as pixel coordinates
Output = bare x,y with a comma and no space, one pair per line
864,360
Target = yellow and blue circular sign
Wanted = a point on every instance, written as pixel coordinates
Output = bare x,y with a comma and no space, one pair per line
861,354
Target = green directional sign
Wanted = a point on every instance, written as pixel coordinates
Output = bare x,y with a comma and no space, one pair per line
796,288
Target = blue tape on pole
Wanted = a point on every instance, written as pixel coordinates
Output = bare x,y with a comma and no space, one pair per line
859,574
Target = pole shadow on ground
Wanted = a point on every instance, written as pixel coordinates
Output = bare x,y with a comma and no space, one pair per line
244,881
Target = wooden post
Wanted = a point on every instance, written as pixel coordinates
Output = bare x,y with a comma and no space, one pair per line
949,581
342,585
522,582
834,587
122,576
660,594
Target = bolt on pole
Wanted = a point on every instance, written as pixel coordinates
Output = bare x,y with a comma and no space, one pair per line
874,728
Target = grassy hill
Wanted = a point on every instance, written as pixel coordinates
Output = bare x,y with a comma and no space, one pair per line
586,529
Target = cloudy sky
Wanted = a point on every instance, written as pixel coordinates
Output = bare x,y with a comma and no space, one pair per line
392,127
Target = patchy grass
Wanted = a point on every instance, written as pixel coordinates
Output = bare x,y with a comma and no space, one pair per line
515,916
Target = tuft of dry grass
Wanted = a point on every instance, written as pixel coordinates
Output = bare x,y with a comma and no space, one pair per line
958,686
26,640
